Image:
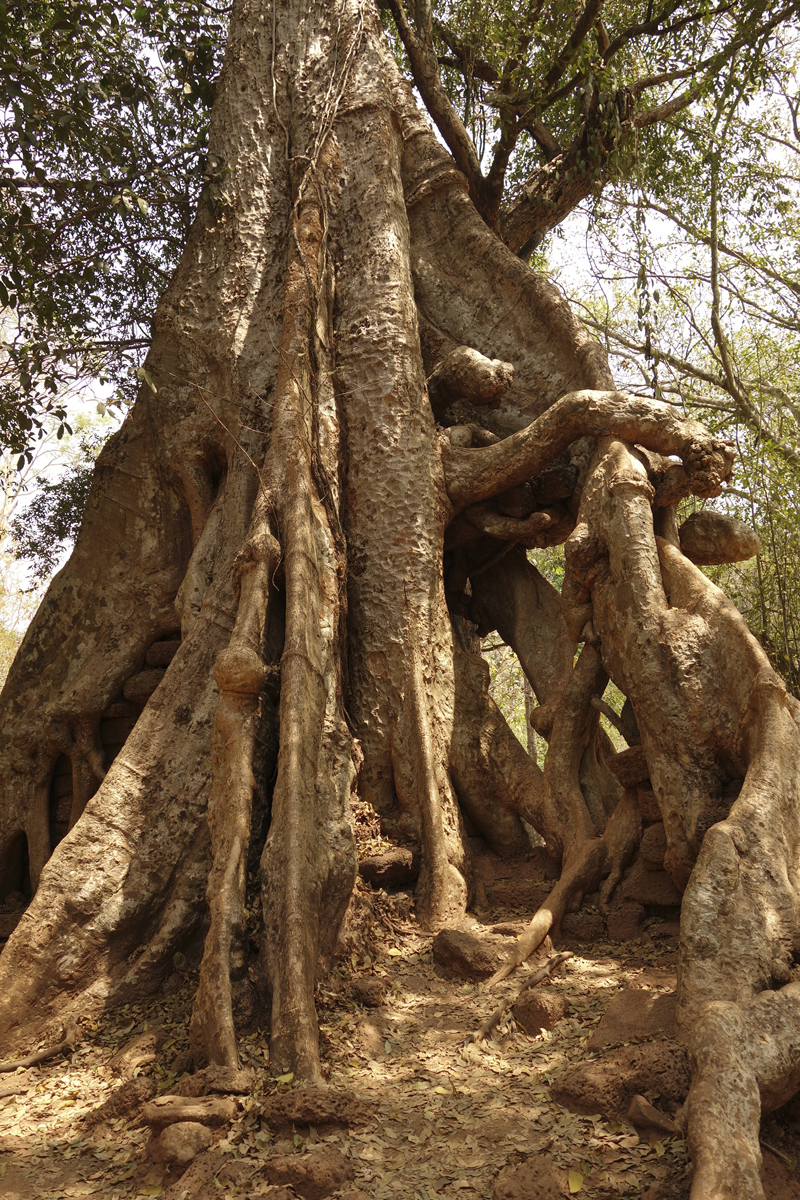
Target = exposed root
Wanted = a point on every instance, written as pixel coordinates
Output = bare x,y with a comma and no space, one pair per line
496,1017
70,1039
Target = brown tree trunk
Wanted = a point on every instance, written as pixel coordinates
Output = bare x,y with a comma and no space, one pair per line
287,503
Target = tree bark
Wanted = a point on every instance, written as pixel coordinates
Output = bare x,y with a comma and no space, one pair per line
315,521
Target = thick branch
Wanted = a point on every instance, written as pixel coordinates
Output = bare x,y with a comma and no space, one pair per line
476,474
425,70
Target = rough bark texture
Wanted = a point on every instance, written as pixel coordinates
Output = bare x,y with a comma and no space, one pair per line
366,409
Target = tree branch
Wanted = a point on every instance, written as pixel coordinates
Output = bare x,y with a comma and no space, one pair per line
476,474
425,71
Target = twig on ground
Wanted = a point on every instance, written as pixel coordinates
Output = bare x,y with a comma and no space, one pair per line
491,1022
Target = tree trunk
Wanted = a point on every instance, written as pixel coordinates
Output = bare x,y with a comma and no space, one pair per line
285,502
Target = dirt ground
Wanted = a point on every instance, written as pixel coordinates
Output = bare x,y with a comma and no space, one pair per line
438,1118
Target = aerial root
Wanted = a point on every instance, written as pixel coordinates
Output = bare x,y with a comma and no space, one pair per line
240,674
475,474
747,1060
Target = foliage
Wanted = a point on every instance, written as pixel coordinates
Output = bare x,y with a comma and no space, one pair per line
49,524
36,533
105,108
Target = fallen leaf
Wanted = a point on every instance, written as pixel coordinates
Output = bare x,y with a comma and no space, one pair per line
575,1180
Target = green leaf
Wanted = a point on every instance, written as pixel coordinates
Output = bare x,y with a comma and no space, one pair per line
144,375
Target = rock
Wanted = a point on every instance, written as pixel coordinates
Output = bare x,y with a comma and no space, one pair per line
198,1180
321,1107
161,654
8,923
237,1081
711,538
139,688
313,1176
650,887
667,929
467,955
392,869
582,927
538,1010
180,1143
121,708
630,766
625,922
648,804
521,884
654,846
634,1013
203,1110
182,1063
138,1052
370,991
123,1101
536,1179
172,984
608,1084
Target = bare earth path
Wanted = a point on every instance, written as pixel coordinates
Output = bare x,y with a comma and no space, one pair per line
438,1118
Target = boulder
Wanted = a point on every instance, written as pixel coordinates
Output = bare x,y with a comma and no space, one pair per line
139,688
321,1107
466,955
8,923
607,1084
711,538
178,1144
625,922
538,1010
394,868
313,1176
536,1179
370,991
629,766
161,654
648,803
123,1101
634,1013
654,846
649,887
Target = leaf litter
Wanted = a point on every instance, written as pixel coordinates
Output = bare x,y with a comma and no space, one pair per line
447,1116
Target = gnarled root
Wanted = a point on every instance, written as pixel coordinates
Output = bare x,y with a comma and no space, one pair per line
715,720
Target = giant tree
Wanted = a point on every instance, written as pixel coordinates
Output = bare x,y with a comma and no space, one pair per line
357,411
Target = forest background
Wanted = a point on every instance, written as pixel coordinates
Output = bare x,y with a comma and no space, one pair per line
679,248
